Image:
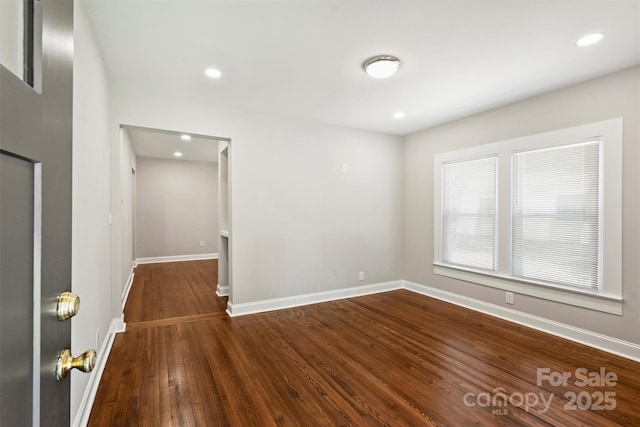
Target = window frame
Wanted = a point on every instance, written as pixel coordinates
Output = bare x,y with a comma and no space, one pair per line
608,297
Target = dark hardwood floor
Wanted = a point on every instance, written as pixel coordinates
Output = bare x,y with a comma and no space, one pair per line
396,359
173,290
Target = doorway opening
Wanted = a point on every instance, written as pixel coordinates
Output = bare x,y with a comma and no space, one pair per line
175,201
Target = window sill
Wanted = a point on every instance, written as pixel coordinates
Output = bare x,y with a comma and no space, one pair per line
598,302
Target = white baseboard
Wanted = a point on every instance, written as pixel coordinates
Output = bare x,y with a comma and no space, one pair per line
306,299
606,343
118,325
127,287
176,258
222,291
84,411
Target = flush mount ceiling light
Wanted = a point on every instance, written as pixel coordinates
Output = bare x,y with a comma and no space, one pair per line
589,39
185,137
399,115
213,73
177,154
382,66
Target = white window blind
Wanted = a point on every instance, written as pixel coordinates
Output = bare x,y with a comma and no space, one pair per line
469,213
556,214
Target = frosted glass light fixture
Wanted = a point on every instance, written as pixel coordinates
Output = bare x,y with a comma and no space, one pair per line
213,73
186,137
382,66
589,39
177,154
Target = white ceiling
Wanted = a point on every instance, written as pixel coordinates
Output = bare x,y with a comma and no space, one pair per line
162,144
302,58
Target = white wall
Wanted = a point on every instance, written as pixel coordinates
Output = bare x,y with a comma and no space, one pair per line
300,225
91,241
176,207
608,97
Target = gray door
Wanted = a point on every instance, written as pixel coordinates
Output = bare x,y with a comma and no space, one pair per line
35,211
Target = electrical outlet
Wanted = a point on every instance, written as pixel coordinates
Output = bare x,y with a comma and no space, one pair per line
202,243
345,168
361,276
509,298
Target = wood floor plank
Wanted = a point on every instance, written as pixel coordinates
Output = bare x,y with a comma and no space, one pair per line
394,359
172,290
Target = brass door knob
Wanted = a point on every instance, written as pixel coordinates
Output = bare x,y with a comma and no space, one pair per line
68,305
66,362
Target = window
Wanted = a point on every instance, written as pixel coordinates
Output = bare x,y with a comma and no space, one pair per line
556,214
539,215
469,213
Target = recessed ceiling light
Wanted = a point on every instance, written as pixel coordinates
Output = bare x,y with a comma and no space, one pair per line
589,39
398,115
185,137
177,154
382,66
213,73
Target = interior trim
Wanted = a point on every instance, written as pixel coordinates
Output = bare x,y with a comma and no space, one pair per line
175,258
